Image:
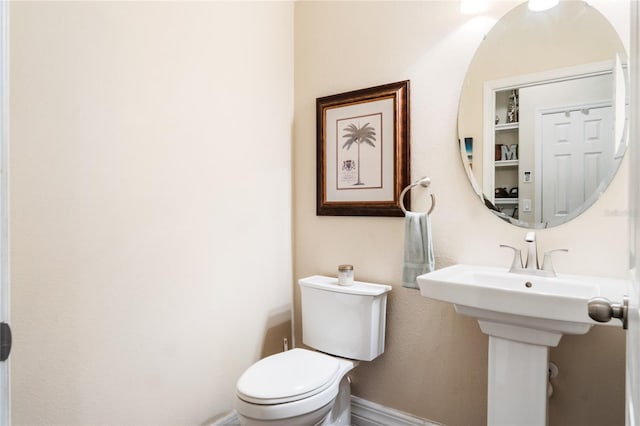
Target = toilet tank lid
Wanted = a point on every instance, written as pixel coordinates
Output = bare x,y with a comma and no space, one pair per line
331,284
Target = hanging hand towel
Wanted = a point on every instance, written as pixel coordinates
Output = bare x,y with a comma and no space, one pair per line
418,248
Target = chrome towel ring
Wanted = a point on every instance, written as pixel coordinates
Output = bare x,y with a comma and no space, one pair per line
424,182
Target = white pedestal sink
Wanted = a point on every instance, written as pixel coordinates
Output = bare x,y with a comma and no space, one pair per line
523,315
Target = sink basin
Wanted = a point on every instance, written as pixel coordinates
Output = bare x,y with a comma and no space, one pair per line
523,315
557,305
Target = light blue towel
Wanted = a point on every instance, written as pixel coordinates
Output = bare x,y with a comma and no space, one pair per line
418,248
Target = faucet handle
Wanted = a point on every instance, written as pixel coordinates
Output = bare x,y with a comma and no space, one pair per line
517,258
546,262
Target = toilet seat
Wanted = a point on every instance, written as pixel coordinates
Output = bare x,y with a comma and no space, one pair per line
287,376
301,381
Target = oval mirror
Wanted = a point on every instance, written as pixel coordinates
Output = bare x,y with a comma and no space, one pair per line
543,113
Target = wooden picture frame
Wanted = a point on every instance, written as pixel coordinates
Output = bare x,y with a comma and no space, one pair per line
363,151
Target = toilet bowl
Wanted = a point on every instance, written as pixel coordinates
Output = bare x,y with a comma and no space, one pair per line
304,387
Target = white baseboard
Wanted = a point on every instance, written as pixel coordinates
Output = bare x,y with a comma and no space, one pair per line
367,413
230,419
363,413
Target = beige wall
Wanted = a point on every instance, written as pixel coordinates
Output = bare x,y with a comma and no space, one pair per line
435,361
150,206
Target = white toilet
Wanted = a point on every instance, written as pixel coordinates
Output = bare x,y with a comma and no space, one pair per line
302,387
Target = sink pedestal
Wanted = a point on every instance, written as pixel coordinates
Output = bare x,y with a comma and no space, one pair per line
518,369
517,391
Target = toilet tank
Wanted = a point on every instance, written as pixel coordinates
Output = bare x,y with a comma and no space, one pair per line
347,321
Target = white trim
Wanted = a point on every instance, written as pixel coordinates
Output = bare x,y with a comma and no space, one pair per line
367,413
363,413
5,386
552,76
229,419
632,375
488,142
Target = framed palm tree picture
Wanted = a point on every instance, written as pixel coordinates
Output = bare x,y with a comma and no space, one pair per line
363,151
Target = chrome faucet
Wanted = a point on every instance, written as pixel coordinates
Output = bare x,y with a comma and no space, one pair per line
531,267
532,252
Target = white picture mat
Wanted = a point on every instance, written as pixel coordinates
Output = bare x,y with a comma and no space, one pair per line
377,163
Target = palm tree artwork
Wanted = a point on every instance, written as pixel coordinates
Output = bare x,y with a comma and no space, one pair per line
358,135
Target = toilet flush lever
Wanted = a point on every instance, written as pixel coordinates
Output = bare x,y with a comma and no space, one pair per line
602,310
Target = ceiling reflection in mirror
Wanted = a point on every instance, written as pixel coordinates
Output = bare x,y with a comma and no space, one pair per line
543,113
